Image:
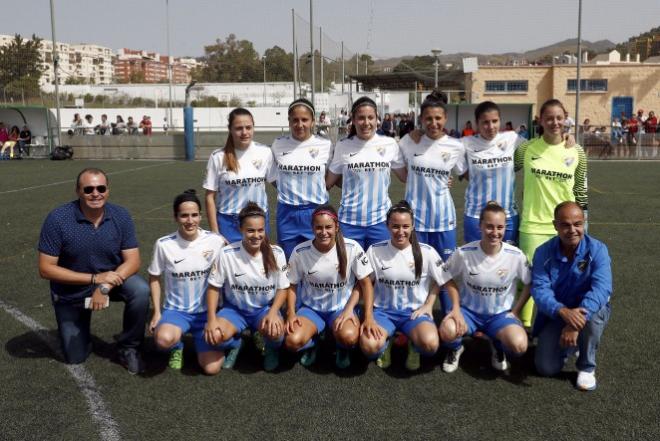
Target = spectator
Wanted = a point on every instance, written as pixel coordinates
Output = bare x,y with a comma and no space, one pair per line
537,128
387,126
4,134
166,126
145,125
88,125
522,131
586,126
24,141
633,129
324,124
508,127
10,143
404,128
131,126
617,131
569,123
76,127
119,126
467,130
651,123
104,128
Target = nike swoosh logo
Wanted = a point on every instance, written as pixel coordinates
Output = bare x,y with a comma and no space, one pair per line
239,275
534,158
473,274
180,260
312,272
418,154
383,268
285,153
350,155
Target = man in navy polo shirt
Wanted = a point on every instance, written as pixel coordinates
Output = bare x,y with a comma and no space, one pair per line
571,285
88,249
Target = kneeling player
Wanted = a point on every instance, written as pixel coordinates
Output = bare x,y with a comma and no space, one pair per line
488,271
185,258
253,274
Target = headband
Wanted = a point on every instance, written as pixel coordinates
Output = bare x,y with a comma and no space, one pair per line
365,102
328,213
304,104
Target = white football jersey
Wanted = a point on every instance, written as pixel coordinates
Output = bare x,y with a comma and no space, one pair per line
365,166
317,274
394,275
300,170
242,275
430,163
488,284
236,189
186,266
492,174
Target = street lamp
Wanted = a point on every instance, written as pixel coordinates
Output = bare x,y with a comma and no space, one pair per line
436,53
264,57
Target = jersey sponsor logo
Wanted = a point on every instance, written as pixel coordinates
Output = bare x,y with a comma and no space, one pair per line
253,289
299,168
244,182
398,283
327,285
487,290
492,162
369,165
427,171
192,275
179,261
551,175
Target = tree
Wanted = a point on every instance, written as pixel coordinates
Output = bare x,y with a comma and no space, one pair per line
20,66
279,64
419,63
231,60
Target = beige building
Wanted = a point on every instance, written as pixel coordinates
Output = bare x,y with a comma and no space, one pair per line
604,87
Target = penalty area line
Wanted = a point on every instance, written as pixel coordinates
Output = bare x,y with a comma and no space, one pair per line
108,427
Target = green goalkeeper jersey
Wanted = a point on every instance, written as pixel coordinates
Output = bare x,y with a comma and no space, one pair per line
552,174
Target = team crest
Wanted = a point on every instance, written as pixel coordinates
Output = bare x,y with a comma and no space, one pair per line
313,152
502,273
501,145
438,262
411,265
207,254
582,265
381,150
568,161
445,156
257,163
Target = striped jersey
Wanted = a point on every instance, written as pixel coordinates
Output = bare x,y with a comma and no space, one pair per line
299,170
185,266
236,189
552,174
491,170
488,284
365,166
430,163
394,275
243,278
317,274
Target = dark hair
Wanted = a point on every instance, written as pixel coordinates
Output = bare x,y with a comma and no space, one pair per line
483,107
93,171
189,195
360,102
552,103
340,245
302,102
491,207
434,99
561,206
404,207
251,209
231,162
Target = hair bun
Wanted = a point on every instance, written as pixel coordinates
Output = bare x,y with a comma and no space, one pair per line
493,204
437,95
190,191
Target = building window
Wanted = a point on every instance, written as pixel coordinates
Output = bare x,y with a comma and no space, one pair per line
587,85
507,86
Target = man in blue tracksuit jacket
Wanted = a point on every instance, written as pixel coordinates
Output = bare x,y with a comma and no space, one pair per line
571,285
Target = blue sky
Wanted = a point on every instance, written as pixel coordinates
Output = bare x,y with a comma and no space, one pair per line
394,28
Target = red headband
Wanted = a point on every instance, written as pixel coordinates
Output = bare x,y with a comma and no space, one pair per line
328,213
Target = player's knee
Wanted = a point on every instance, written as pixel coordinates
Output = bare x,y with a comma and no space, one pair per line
294,342
348,336
448,331
164,340
517,345
370,346
428,342
213,368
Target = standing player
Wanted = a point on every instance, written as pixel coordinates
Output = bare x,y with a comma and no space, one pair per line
253,275
326,268
404,276
364,160
185,259
235,175
488,272
301,161
552,174
430,163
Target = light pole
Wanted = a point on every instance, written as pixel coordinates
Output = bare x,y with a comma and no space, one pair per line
169,63
56,64
436,53
264,57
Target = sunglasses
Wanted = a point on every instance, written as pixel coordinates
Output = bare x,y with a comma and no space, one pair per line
90,189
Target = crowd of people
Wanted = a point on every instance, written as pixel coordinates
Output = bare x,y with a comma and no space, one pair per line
86,126
15,142
359,275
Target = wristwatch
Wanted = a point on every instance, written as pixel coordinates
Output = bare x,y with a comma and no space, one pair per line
105,289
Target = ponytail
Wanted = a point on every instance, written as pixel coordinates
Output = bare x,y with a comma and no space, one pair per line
340,244
252,210
231,162
404,207
491,207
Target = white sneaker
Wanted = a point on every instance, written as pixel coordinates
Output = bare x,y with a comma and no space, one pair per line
450,364
498,359
586,380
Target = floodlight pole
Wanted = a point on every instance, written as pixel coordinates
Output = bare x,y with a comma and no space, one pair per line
311,46
342,68
321,55
295,54
169,63
579,64
436,53
55,67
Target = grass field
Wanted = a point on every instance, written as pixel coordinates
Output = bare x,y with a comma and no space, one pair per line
40,398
